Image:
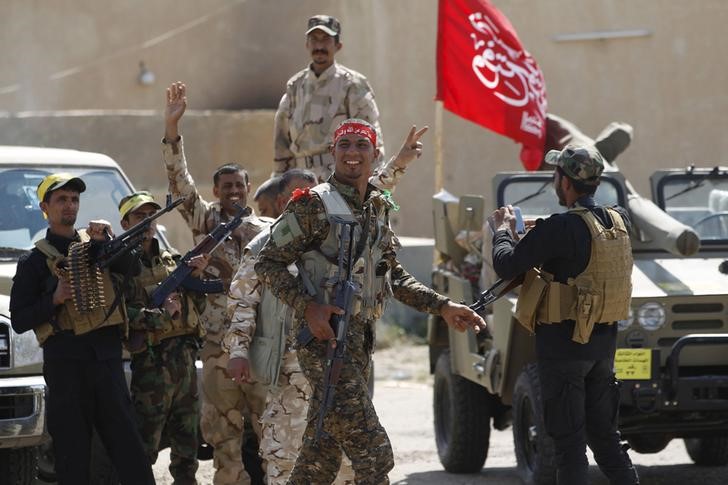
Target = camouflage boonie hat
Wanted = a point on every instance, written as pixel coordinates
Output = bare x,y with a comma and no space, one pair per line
582,164
328,24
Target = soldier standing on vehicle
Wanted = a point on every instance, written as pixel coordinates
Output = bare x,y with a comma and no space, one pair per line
223,400
163,347
308,233
578,267
317,100
81,351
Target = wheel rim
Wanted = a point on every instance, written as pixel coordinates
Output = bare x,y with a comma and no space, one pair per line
529,434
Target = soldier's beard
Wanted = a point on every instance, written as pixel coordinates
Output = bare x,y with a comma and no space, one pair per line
68,221
560,195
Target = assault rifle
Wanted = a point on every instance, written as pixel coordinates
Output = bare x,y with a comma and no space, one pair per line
499,288
130,240
343,298
182,275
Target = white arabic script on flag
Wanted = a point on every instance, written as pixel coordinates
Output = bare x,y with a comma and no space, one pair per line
509,72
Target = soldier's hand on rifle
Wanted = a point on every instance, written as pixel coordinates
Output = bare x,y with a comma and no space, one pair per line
173,305
411,148
238,368
62,292
317,316
99,229
199,263
176,106
460,317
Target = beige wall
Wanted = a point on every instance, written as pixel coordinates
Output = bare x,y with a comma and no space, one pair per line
237,54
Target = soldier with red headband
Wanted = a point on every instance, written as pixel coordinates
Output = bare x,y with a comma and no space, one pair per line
309,233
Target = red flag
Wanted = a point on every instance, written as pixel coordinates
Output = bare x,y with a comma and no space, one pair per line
485,75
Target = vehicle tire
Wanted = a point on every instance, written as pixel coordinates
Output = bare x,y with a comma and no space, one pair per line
648,443
534,448
101,470
19,465
709,451
47,462
462,420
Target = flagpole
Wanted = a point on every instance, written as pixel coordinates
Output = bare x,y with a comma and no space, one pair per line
438,146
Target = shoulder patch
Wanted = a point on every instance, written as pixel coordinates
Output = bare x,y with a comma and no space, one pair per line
286,229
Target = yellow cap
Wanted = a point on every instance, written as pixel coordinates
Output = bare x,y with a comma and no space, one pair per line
55,181
132,202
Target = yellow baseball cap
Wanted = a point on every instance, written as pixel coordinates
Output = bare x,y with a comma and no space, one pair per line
132,202
55,181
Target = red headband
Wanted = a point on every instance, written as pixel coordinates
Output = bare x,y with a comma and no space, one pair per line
357,129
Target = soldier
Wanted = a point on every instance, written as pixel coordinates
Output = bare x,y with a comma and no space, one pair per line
163,347
582,286
81,351
316,100
266,197
307,233
223,401
284,419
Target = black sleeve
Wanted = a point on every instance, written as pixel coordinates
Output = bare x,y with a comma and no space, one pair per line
548,239
31,297
625,217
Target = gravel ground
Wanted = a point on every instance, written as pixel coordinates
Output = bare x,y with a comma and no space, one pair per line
403,398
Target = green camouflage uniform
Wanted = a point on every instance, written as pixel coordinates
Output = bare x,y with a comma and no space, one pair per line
223,400
352,424
311,110
163,373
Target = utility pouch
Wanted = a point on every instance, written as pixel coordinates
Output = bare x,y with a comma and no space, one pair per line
588,306
532,293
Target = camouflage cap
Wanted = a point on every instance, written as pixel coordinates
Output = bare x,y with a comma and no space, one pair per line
328,24
132,202
580,163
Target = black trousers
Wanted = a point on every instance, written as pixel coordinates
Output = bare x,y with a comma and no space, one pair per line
581,406
88,394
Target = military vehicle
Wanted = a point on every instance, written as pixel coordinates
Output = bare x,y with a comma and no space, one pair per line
672,358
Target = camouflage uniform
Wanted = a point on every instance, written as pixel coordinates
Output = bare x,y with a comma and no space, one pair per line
223,400
311,109
163,373
352,424
284,418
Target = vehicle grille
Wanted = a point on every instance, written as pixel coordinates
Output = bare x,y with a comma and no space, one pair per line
14,407
4,345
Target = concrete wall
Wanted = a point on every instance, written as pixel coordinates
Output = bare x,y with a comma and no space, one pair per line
670,85
132,138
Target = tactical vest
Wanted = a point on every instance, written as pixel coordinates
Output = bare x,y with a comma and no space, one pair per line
273,323
371,273
189,323
600,294
68,317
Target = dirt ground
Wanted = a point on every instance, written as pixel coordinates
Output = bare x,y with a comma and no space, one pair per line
403,399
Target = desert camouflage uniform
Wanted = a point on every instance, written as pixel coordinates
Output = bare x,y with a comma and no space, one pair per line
284,418
223,400
310,111
163,373
352,423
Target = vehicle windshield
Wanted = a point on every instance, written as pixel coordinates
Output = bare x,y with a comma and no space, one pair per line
699,201
536,197
21,220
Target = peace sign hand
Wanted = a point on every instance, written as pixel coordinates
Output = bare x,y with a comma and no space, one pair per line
411,148
176,106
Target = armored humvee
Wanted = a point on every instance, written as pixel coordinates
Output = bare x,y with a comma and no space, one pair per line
672,356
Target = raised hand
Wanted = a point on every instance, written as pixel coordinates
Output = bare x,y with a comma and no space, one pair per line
176,106
411,148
